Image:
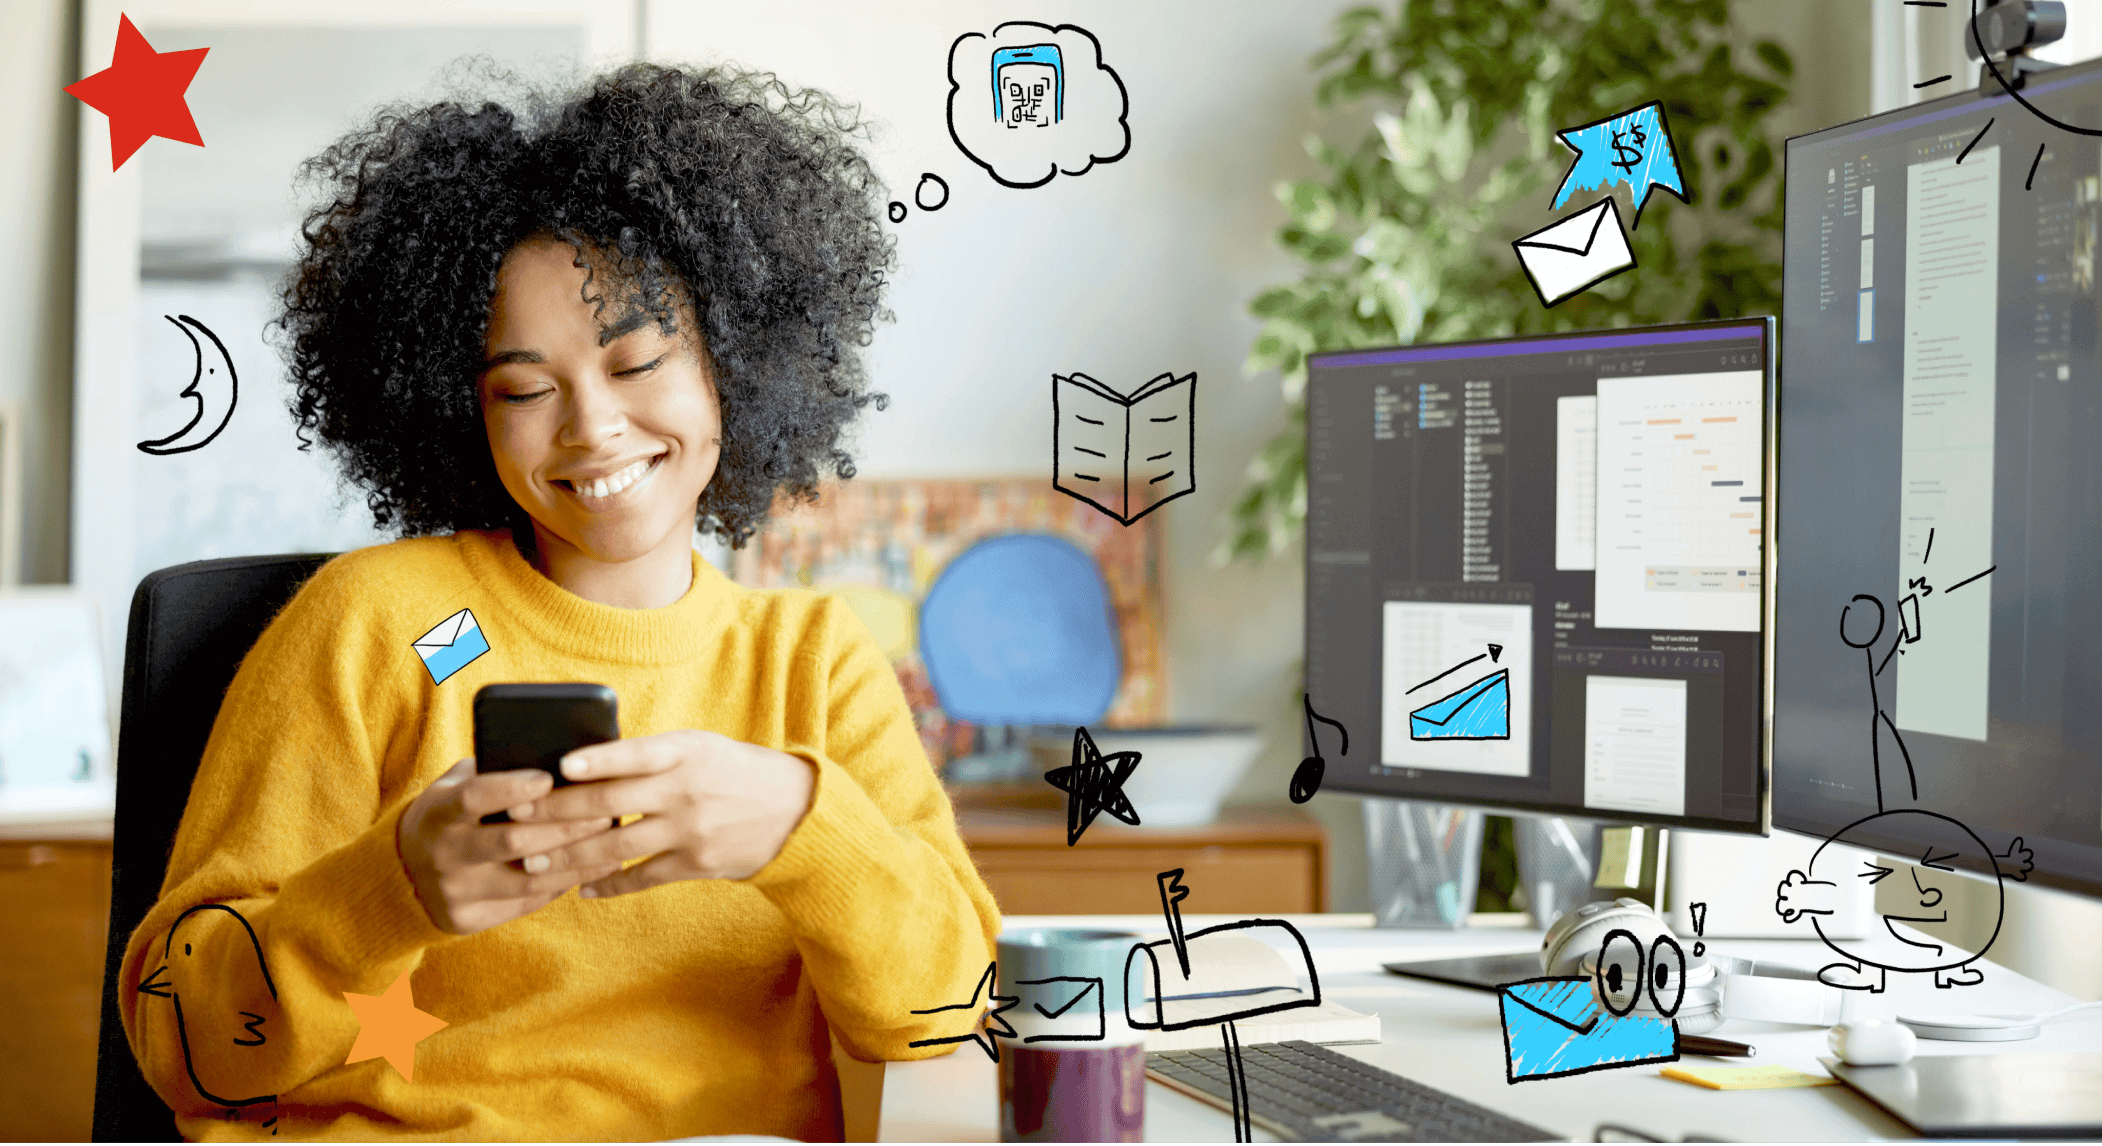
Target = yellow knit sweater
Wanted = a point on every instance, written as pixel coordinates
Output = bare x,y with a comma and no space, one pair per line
699,1007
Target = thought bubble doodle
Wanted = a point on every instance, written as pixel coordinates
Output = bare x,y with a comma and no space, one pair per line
1030,101
1633,147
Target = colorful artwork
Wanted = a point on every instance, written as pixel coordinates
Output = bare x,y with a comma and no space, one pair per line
881,544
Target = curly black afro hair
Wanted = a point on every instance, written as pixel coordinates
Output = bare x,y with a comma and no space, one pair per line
718,189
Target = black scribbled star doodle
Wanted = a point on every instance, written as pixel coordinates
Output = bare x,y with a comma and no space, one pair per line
1094,784
987,1040
206,1028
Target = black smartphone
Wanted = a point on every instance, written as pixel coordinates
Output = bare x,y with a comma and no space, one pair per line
535,725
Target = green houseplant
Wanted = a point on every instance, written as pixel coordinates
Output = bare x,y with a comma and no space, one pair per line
1406,237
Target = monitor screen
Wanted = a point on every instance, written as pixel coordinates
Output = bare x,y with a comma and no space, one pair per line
1534,572
1940,480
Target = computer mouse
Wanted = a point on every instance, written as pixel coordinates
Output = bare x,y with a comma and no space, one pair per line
1871,1042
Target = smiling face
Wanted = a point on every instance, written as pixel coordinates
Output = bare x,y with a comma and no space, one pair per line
1922,899
606,443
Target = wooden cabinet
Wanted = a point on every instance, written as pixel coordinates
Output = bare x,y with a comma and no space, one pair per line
54,897
1253,860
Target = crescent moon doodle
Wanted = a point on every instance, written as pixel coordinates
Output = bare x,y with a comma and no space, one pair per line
173,443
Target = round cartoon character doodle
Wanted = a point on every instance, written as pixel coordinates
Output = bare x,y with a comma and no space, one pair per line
1816,892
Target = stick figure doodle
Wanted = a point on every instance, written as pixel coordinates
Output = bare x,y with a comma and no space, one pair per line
1804,893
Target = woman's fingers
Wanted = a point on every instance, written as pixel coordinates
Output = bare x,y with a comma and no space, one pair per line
644,837
665,868
602,800
499,791
500,843
640,756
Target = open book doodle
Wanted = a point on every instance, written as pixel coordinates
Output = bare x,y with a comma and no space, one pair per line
1126,456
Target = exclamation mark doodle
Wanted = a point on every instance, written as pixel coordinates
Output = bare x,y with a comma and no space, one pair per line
1700,923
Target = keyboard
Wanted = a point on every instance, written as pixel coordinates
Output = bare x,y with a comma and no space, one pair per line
1307,1093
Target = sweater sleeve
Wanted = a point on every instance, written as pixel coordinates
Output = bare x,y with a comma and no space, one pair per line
881,896
284,887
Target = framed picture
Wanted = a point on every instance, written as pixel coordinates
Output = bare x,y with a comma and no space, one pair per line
55,729
880,545
183,445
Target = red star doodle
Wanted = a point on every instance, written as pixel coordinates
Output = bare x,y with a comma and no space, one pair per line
142,94
987,1040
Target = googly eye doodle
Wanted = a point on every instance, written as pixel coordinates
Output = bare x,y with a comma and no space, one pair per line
1620,971
1667,975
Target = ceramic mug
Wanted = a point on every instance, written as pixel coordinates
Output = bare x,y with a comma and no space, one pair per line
1075,1070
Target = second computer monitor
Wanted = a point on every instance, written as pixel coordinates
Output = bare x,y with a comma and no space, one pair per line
1535,572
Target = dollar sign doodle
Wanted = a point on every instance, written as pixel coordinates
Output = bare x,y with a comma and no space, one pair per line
1634,153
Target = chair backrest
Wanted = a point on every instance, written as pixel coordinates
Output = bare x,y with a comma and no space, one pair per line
190,626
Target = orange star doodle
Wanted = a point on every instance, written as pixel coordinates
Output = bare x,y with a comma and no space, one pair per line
390,1026
142,93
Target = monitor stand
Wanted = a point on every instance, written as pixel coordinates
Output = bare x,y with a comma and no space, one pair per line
1631,863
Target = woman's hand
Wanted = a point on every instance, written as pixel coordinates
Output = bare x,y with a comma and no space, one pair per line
472,876
712,808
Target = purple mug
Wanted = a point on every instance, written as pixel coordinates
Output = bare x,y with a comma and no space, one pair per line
1075,1070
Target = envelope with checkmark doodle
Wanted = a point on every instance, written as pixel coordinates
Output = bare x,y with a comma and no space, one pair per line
1060,1009
1063,978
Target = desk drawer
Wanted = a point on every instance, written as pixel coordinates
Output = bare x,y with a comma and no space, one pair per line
54,898
1120,880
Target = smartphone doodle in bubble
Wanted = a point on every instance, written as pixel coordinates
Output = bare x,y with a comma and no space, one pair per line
1029,86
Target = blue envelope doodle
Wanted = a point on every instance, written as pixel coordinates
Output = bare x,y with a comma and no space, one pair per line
451,646
1480,711
1555,1027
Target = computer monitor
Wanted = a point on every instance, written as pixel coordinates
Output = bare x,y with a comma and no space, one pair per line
1534,573
1940,479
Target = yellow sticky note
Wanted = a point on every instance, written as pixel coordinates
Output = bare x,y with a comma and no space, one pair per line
1745,1077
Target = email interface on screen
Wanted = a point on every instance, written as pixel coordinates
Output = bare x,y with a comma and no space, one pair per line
1941,469
1533,571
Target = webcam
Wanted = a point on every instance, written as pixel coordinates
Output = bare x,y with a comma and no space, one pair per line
2012,29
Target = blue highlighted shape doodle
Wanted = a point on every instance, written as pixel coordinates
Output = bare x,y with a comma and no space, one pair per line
1480,711
1555,1027
451,646
1633,147
1025,81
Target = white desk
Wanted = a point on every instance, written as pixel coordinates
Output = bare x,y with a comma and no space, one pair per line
1452,1038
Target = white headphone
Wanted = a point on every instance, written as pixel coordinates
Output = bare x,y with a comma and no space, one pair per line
1638,966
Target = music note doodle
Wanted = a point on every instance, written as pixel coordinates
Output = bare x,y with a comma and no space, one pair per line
1307,780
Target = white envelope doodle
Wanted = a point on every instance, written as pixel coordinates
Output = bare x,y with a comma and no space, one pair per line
451,646
1578,252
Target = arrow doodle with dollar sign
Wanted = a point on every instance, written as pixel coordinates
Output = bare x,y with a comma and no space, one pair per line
1633,147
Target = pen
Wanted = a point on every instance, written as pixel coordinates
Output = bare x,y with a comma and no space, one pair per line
1715,1048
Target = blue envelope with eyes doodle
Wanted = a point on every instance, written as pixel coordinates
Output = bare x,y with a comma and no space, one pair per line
1555,1027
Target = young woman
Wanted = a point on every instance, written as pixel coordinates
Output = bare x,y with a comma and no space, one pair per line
546,348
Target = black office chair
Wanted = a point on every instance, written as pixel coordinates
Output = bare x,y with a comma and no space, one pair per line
190,626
